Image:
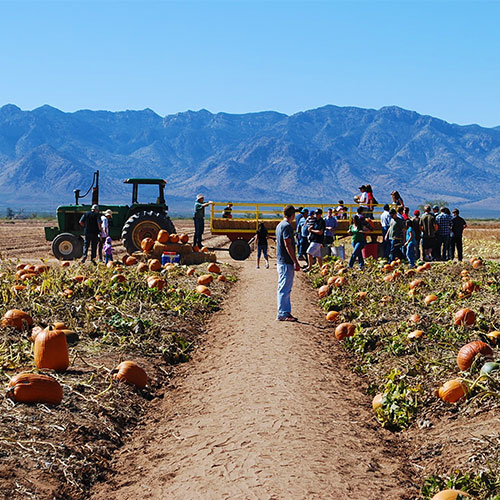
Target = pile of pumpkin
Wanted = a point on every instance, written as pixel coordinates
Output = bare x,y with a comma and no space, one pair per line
28,272
164,238
50,349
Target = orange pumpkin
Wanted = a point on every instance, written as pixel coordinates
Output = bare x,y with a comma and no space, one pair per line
142,267
468,353
174,238
189,271
387,268
377,401
131,373
118,278
429,299
154,282
345,330
79,278
416,283
147,245
416,334
154,265
35,388
202,289
323,291
65,264
450,495
470,286
465,317
205,279
221,277
332,316
131,261
415,318
17,319
362,295
184,238
340,281
213,268
331,280
477,263
204,250
51,350
452,391
196,248
162,236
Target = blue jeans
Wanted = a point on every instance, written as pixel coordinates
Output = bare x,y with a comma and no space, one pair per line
386,244
411,253
108,257
286,273
396,250
262,249
356,253
302,245
199,227
445,247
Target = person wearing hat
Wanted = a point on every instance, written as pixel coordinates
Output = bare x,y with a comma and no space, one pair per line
428,227
104,234
362,198
199,219
300,224
91,224
316,239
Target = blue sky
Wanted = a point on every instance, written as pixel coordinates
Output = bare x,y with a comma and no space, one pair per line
436,57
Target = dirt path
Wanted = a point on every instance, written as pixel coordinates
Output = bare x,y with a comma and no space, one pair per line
266,410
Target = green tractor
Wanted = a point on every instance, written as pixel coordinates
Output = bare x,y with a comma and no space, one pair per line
131,223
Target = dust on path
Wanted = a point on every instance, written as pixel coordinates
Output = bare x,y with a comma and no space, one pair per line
266,410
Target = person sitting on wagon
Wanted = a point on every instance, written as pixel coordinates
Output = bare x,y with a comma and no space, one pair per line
341,211
227,213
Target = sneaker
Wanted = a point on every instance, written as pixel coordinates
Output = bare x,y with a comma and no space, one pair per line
288,318
267,265
83,260
257,267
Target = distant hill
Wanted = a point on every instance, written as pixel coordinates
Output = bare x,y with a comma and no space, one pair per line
321,154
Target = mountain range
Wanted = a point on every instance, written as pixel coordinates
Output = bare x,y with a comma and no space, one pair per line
320,155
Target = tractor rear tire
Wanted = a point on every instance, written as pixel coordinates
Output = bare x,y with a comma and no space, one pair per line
67,246
145,224
239,250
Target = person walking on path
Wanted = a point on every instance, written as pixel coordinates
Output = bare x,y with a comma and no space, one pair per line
91,224
410,243
444,220
357,230
385,222
428,226
287,263
330,225
418,232
199,219
457,229
104,232
396,235
316,239
262,244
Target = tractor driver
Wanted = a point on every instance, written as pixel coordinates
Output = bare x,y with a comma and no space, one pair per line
92,228
199,219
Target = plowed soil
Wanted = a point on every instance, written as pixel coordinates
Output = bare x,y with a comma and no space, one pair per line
266,410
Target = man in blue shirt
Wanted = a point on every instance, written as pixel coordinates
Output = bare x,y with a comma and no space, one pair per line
199,219
300,221
287,263
330,225
385,222
444,221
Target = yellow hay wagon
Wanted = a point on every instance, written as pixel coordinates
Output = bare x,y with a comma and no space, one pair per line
245,219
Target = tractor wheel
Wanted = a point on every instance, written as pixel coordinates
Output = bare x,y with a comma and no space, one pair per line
144,225
67,246
239,250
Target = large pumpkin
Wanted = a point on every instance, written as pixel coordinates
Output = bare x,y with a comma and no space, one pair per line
205,279
429,299
345,330
465,317
174,238
35,388
131,261
162,236
17,319
468,353
323,291
51,350
332,315
184,238
449,495
154,282
131,373
452,391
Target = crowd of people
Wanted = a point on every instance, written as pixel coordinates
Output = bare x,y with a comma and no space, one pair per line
434,235
96,235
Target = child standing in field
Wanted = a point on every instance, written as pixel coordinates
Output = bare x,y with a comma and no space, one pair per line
108,250
262,244
410,243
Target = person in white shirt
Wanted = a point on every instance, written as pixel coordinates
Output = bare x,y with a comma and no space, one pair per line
362,198
108,214
385,221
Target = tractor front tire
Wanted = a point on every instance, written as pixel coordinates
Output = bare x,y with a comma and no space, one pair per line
144,225
67,246
239,250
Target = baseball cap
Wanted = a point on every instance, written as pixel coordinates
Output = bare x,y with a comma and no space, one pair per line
435,207
417,212
318,211
95,207
199,196
362,187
